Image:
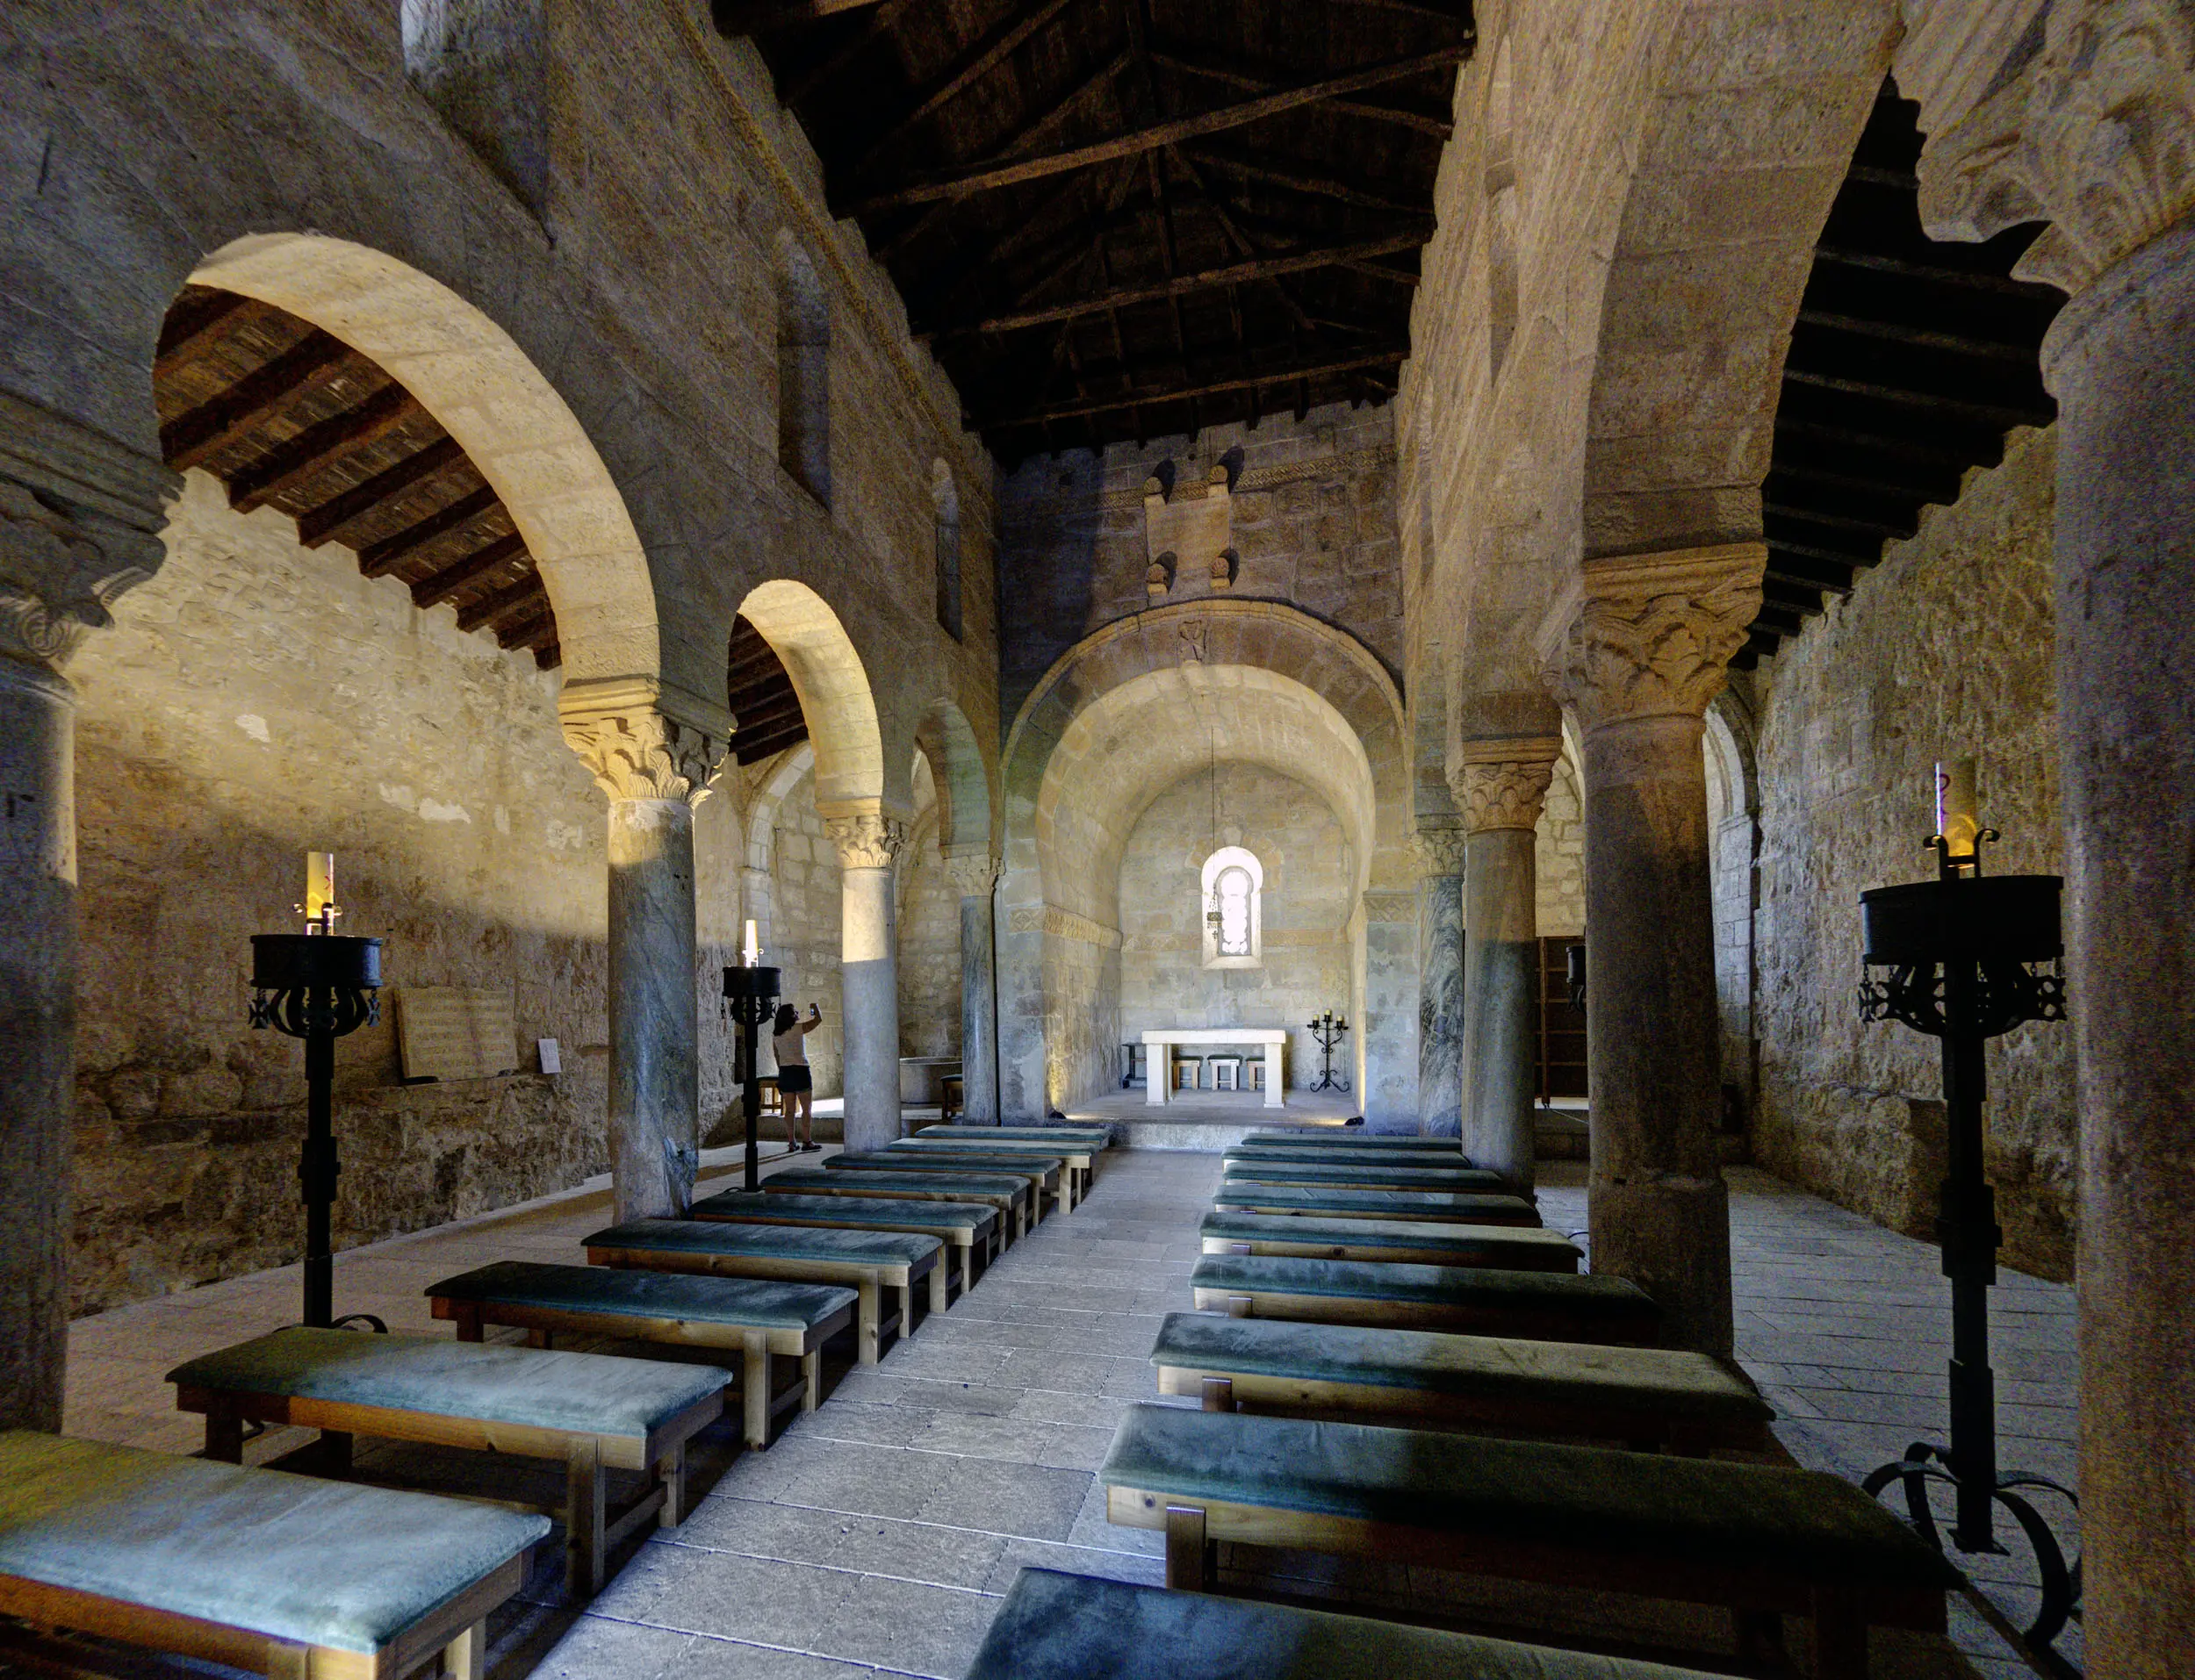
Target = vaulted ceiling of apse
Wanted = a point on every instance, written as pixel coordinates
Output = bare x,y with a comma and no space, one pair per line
1119,219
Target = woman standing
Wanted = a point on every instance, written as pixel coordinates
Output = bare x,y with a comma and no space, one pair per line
795,1087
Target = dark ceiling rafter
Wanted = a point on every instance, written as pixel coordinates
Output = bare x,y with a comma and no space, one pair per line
1910,360
765,707
1122,218
291,419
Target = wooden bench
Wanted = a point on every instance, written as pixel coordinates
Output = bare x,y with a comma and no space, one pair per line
1009,1193
966,1227
869,1262
1483,1301
593,1412
1077,1158
1440,1207
1054,1627
1651,1399
1362,1172
758,1320
1044,1174
1248,1155
287,1575
1517,1248
1350,1138
1759,1541
1098,1138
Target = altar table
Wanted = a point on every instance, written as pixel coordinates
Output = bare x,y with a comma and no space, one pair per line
1158,1052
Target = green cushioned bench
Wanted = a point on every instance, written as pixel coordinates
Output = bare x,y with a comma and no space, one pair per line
281,1574
965,1227
1440,1207
1249,1155
593,1412
1757,1541
1074,1159
869,1262
1043,1175
1008,1193
1648,1398
1055,1626
1365,1172
1096,1137
758,1320
1518,1248
1351,1138
1484,1300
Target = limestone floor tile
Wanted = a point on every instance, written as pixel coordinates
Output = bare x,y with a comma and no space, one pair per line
914,1626
765,1601
597,1646
930,1552
1029,1501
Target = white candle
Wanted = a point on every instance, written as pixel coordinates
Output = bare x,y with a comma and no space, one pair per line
751,950
320,884
1956,815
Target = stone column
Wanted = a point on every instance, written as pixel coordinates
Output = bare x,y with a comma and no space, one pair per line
2088,134
1440,855
655,766
974,876
1636,653
79,517
1499,785
869,974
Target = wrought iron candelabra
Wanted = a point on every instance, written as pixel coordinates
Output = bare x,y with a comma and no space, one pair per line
750,995
1328,1030
318,987
1965,955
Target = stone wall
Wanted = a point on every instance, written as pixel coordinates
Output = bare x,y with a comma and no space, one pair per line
254,701
929,951
804,928
1945,649
1308,893
1559,855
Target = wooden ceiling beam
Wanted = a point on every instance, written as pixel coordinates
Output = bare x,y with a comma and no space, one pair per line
190,438
193,327
319,447
736,17
988,53
1266,78
326,522
1963,344
1267,173
503,603
762,716
530,633
432,591
1937,274
990,178
874,29
753,753
2004,416
378,559
1781,571
1257,381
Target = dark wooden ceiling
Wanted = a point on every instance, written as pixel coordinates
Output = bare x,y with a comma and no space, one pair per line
288,417
761,698
1910,362
1123,219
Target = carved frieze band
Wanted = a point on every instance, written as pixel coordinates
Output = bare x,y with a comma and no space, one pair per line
1061,924
972,874
2083,124
1650,635
865,839
1438,851
80,521
1503,784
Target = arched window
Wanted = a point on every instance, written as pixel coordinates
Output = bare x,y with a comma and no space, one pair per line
803,373
1233,885
947,497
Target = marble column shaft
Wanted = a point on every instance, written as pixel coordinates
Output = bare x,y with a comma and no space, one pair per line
1500,798
2121,360
1440,853
976,879
869,975
1640,656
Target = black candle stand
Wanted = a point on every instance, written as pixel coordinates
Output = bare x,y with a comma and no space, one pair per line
318,988
1329,1031
750,995
1965,955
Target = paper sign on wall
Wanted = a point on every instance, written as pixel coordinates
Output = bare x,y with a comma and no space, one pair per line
450,1032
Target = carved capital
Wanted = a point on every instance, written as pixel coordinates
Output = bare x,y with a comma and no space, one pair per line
1652,636
865,839
973,875
2084,123
79,521
1502,784
643,740
1438,851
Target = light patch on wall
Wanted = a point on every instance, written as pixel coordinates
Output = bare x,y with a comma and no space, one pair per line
502,821
399,795
565,836
254,726
436,811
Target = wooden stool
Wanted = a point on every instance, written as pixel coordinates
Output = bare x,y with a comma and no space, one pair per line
1194,1066
773,1099
953,1097
1227,1072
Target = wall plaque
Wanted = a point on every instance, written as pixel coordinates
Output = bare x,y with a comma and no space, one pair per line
447,1032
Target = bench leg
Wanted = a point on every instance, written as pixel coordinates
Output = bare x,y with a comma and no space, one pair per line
968,1269
336,1452
1219,1393
941,1281
470,1328
1238,1306
1188,1551
585,1520
1840,1633
671,1474
1021,1221
538,1337
811,1380
224,1434
906,1311
754,1388
466,1656
866,1293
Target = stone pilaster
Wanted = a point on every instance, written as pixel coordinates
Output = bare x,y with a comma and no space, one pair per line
1499,785
1439,853
1637,652
80,518
655,755
867,842
974,876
